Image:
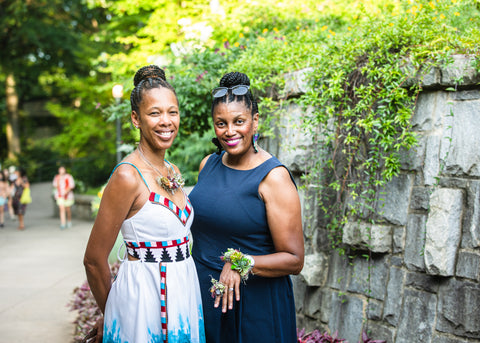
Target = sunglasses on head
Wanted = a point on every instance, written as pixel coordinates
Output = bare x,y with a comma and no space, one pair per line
236,90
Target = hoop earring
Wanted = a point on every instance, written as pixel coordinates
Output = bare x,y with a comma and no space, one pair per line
255,144
218,145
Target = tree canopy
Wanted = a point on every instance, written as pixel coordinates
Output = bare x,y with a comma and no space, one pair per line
42,44
73,52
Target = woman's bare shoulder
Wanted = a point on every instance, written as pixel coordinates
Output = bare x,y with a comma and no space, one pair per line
204,161
124,176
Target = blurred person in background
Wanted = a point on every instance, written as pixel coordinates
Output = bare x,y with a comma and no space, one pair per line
10,177
64,184
3,198
20,185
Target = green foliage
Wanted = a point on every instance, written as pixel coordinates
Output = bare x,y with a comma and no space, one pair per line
188,152
44,46
143,30
87,141
39,163
362,54
39,37
364,85
194,76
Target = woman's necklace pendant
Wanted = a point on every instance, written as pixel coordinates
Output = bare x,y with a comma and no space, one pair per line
170,184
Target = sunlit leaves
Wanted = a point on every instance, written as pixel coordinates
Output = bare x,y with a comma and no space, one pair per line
366,81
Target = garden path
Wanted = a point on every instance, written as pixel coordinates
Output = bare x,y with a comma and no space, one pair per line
40,268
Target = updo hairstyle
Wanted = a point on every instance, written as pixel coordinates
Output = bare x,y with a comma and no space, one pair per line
146,78
233,79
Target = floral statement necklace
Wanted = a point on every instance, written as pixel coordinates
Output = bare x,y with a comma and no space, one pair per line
168,183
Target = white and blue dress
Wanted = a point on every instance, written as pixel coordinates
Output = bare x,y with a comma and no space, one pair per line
156,299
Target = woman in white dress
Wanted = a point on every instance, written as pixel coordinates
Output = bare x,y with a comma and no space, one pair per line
155,296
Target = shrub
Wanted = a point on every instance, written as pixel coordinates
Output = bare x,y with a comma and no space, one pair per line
317,337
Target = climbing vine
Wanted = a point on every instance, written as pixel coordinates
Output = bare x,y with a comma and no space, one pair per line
364,87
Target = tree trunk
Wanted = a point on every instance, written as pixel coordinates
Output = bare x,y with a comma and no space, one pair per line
13,134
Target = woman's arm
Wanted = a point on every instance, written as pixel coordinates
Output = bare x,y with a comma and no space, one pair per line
116,204
285,222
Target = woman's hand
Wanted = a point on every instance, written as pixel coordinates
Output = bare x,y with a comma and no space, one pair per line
96,334
231,279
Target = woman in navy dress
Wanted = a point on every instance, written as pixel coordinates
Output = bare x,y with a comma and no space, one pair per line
245,199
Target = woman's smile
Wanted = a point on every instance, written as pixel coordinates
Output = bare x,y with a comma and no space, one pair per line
165,135
233,141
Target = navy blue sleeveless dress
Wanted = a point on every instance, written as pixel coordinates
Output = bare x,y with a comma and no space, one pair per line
229,213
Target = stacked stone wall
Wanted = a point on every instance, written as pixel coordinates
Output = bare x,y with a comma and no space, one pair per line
422,280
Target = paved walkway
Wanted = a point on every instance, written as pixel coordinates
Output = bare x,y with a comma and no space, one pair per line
40,268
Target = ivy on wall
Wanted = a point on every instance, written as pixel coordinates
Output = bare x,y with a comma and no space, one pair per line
364,86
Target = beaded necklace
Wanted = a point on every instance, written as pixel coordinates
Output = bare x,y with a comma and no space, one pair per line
168,183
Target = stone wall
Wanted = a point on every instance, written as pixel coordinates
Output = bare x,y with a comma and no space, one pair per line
422,283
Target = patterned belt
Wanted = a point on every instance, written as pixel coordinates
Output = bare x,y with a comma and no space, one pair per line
165,252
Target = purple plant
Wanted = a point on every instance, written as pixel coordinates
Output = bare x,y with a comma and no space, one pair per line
88,311
365,339
317,337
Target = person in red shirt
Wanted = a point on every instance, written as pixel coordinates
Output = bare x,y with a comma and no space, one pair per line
64,185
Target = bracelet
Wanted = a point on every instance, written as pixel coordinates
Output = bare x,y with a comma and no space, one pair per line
243,264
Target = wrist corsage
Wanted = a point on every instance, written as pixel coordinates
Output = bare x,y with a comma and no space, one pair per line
243,264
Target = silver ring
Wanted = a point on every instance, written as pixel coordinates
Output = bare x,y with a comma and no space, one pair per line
231,289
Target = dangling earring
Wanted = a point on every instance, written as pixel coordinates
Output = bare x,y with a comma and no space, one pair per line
218,145
255,145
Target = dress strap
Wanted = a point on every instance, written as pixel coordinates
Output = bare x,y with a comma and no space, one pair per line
146,184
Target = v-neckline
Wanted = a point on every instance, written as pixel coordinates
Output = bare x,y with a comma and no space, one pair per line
182,214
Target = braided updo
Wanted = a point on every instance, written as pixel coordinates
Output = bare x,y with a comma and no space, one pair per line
233,79
146,78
